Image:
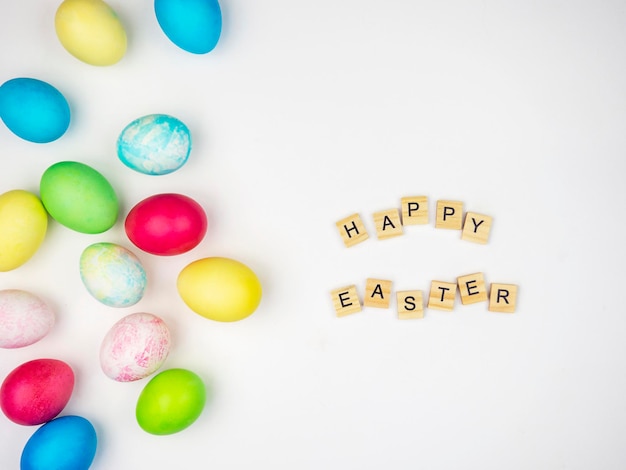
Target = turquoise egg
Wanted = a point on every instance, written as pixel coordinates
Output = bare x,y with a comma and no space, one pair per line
68,442
156,144
193,25
112,274
34,110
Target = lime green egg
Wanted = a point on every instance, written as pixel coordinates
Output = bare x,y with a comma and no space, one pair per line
91,31
79,197
170,402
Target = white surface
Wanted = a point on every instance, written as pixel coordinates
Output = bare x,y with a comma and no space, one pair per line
305,113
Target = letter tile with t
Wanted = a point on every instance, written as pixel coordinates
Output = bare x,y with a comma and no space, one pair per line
442,295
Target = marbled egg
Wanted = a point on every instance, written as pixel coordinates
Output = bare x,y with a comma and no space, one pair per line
34,110
112,274
155,144
24,318
193,25
91,31
135,347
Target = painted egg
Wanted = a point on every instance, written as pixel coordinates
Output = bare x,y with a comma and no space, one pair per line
220,289
23,226
166,224
172,401
91,31
135,347
77,196
24,318
34,110
36,391
156,144
67,442
193,25
112,274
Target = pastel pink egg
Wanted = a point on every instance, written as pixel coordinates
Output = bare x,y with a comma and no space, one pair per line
36,391
24,318
135,347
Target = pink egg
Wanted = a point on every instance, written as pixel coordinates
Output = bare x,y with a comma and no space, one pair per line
36,391
24,318
135,347
166,224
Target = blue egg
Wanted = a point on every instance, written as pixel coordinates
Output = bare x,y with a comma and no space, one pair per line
155,144
68,442
193,25
34,110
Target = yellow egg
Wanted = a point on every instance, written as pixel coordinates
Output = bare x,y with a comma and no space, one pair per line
23,225
91,31
220,289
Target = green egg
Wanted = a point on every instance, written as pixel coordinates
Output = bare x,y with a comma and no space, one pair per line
170,402
77,196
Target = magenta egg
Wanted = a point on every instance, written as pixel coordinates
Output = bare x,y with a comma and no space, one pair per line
166,224
36,391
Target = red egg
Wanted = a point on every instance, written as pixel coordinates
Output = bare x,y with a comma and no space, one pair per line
36,391
166,224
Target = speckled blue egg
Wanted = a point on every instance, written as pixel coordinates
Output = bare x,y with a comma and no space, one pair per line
34,110
156,144
112,274
193,25
64,443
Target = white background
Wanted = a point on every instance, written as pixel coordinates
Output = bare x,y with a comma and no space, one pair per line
307,112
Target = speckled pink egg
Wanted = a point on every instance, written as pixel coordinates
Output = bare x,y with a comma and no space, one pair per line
24,318
36,391
135,347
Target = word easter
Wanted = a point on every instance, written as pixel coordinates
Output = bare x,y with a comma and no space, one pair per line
414,211
442,296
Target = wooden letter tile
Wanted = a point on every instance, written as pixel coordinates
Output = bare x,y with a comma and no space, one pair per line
388,224
472,288
414,210
377,293
352,230
346,301
410,304
476,228
442,295
449,215
503,298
